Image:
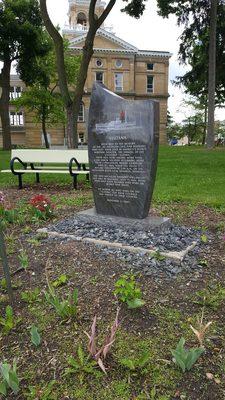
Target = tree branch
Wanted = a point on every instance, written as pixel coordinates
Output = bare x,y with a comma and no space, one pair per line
106,12
59,49
92,11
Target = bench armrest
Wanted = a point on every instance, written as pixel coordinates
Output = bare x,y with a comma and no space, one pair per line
74,161
12,165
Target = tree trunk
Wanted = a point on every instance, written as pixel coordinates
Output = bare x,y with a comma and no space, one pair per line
94,24
83,70
205,125
4,104
212,76
43,124
72,139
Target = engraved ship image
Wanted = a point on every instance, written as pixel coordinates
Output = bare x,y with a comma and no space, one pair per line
116,126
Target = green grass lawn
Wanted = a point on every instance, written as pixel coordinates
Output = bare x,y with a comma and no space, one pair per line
190,174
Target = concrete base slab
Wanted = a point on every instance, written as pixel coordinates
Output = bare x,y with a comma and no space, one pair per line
147,224
177,256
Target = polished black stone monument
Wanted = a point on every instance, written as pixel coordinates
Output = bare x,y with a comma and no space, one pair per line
123,138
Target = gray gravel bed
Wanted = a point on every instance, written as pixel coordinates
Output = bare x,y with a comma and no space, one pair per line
173,238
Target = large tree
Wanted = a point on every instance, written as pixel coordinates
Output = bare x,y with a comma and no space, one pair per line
199,35
72,104
42,97
20,41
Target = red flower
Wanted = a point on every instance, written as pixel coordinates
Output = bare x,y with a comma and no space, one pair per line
41,203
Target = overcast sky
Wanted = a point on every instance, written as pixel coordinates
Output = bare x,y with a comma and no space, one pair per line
150,32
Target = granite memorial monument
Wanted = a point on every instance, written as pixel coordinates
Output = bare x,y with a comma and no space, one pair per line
123,139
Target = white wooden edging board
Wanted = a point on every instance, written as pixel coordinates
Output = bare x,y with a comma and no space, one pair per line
51,156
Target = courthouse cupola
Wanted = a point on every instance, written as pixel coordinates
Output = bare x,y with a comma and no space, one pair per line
78,13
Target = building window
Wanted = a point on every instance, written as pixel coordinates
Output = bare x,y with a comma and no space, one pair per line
81,137
99,62
16,118
99,77
118,63
150,84
150,66
81,113
118,82
15,92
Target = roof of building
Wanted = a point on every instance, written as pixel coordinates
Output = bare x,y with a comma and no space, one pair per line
125,47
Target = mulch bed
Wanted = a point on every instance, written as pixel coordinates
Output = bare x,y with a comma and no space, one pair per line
170,306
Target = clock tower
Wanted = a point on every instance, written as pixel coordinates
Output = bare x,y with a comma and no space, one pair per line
78,14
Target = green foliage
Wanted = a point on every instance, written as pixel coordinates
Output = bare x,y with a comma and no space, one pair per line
65,308
30,296
9,322
158,256
135,364
23,259
9,378
211,297
8,216
184,358
35,336
60,281
42,97
204,239
82,365
44,392
194,46
128,292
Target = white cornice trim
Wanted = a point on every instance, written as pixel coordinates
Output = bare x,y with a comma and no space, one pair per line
141,53
108,35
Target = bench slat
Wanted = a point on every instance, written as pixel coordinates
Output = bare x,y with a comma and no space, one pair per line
46,171
51,156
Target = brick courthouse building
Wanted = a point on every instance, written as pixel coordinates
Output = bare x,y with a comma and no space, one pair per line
124,69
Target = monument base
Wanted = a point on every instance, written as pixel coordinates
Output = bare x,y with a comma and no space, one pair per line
147,224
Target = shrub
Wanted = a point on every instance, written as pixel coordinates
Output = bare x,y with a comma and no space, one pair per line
128,291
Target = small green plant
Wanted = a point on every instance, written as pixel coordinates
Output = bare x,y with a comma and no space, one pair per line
185,358
41,392
26,230
9,322
203,263
158,256
9,378
35,336
60,281
204,239
82,365
3,285
211,297
34,242
31,296
65,308
135,364
128,292
23,259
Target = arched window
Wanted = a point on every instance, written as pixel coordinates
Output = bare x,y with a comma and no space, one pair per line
81,113
82,19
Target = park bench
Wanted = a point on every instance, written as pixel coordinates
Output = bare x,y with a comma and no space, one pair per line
33,162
